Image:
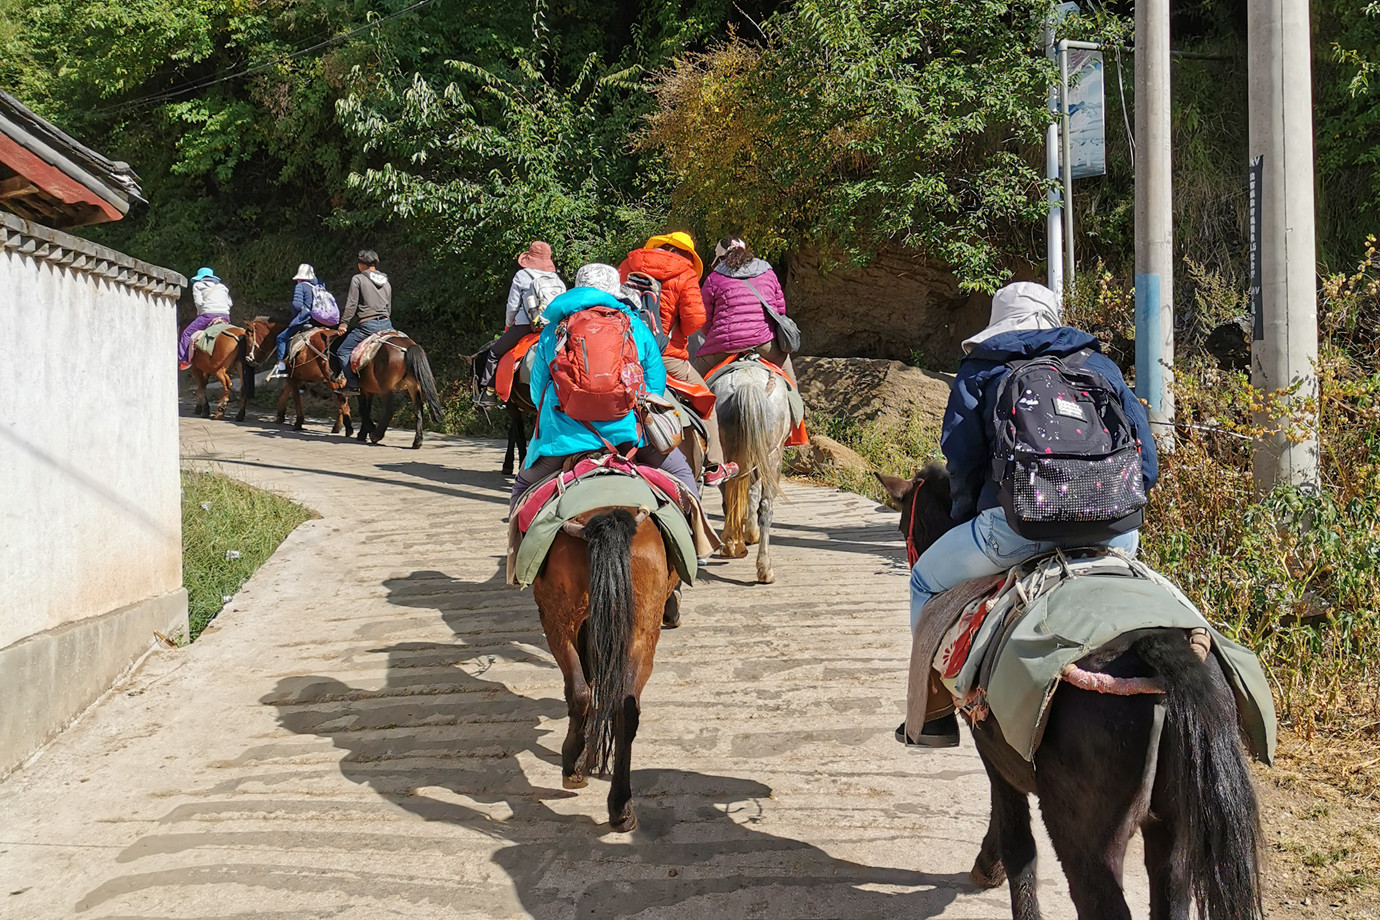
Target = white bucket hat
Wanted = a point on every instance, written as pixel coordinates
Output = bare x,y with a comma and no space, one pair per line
304,273
1020,307
600,276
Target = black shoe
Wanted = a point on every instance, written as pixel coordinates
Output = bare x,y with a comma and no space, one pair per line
936,733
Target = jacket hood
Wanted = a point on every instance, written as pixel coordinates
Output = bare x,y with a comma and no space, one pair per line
376,276
661,264
1011,346
749,269
580,298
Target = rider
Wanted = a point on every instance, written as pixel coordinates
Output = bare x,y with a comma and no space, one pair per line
371,298
671,259
557,435
212,299
302,299
536,276
734,317
1026,323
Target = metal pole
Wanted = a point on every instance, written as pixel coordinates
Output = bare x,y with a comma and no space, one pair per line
1285,343
1054,227
1066,158
1154,219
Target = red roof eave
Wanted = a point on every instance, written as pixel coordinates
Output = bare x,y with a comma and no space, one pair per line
52,180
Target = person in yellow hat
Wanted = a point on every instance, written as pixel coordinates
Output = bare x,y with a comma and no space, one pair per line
671,259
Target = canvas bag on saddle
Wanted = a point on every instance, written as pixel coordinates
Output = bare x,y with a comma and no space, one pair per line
546,287
1065,459
324,310
648,292
597,371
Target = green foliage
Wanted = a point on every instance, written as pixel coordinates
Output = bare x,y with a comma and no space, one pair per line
229,529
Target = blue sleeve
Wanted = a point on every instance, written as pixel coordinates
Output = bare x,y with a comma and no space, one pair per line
301,301
653,368
964,443
1135,414
541,365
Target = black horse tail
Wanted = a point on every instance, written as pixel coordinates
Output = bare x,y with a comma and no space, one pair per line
417,365
1208,783
609,631
246,369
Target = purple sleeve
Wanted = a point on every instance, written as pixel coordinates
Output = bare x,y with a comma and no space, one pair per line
708,290
775,296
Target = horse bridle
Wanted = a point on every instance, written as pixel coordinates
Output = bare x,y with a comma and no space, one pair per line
912,554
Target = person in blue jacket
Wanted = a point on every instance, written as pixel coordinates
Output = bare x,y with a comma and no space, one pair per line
1027,322
557,435
302,296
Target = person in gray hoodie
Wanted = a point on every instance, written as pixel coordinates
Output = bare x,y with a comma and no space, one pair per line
368,309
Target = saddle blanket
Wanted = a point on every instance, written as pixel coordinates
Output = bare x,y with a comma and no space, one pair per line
205,340
1002,650
797,436
512,365
602,487
299,342
364,352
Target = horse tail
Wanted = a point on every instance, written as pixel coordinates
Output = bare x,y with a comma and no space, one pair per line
1209,785
745,425
609,639
417,365
246,369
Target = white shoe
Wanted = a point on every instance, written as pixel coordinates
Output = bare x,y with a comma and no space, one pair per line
278,372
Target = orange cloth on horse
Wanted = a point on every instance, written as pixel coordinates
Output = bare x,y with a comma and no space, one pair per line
364,352
797,436
508,365
700,398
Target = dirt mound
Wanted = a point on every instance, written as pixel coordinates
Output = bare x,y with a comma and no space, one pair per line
824,452
871,389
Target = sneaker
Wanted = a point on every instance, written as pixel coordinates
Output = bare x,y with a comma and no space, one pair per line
716,476
278,372
487,400
936,733
184,365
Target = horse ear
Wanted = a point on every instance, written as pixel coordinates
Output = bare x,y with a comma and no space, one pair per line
896,487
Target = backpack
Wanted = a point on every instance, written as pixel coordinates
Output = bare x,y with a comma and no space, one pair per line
1065,459
546,287
324,310
597,370
648,292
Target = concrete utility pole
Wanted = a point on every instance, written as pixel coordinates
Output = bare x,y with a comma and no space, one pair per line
1154,219
1284,260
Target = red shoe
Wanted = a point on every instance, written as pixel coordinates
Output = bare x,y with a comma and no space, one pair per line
716,476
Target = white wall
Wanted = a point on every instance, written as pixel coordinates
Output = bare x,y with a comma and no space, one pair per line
89,490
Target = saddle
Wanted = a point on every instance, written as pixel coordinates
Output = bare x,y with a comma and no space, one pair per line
797,436
205,340
999,646
364,352
299,342
511,366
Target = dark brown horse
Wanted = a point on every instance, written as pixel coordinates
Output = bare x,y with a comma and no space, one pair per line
1100,778
399,366
602,592
313,365
233,350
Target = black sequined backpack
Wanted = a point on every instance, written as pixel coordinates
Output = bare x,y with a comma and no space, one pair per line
1065,460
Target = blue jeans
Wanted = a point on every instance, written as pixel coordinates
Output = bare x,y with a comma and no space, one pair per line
986,545
285,337
356,335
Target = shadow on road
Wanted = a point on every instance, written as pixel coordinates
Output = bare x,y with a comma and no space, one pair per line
443,740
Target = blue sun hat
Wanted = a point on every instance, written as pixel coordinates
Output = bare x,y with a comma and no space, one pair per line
203,273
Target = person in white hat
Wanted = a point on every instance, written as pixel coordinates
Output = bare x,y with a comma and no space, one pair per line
303,299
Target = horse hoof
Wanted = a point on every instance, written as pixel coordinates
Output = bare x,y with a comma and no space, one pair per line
766,578
670,620
574,782
507,471
416,445
624,824
280,419
989,879
734,550
299,426
239,416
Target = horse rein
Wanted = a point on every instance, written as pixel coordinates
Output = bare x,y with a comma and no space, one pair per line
912,554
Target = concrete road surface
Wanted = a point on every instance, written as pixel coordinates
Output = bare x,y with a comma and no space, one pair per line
371,729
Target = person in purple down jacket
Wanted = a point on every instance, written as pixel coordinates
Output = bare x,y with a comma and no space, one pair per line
737,293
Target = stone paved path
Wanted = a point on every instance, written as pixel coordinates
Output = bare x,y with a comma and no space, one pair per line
371,729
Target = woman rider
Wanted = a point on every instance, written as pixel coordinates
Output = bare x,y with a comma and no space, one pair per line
738,292
534,286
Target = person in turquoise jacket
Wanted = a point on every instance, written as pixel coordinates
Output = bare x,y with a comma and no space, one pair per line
559,436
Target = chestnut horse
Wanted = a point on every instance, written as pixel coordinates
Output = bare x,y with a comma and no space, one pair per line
1099,778
233,349
400,365
313,365
602,592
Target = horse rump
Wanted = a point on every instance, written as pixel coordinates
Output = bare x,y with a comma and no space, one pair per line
612,606
1208,785
420,368
748,433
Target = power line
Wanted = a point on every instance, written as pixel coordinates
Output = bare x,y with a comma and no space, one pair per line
155,98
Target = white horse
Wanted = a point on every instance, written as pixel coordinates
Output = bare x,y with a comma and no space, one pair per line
754,420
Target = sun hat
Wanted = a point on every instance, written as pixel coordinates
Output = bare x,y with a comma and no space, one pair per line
204,273
720,250
304,273
599,276
681,240
537,257
1020,307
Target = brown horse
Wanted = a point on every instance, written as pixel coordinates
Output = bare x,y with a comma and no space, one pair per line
1170,765
233,349
313,365
399,366
602,593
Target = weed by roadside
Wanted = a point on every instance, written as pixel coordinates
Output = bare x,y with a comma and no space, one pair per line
229,529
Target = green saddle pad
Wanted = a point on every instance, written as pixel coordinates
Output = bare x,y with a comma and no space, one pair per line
206,338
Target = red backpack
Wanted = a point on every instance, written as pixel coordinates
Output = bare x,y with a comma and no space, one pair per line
597,370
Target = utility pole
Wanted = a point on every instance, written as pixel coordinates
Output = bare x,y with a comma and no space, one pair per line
1154,219
1284,345
1054,226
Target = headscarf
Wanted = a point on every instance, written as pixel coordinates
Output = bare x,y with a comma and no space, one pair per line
1020,307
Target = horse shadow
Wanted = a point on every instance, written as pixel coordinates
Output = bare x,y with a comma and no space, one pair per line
447,740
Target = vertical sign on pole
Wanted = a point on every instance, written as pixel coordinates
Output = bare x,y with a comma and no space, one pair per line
1253,202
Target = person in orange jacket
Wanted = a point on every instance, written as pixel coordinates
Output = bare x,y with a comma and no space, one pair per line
671,259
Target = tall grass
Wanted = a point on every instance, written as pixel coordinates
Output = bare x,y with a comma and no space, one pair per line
229,529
